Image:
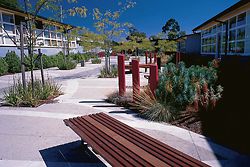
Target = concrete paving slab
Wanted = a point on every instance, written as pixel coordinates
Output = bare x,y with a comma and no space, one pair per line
40,138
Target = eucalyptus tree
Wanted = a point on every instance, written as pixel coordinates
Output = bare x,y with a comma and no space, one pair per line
107,23
172,29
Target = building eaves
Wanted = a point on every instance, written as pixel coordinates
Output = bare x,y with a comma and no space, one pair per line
39,17
226,11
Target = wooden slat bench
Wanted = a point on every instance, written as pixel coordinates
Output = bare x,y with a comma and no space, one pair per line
122,145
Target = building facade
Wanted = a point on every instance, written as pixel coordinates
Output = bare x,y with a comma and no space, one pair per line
235,22
51,39
189,44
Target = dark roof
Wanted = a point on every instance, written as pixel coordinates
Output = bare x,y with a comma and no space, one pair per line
228,10
187,35
41,17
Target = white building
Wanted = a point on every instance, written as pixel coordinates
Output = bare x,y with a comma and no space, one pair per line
52,39
235,22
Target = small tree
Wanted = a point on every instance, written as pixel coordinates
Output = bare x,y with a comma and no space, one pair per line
107,23
90,40
172,29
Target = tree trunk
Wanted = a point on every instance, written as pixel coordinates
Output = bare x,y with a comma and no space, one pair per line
22,56
106,62
41,64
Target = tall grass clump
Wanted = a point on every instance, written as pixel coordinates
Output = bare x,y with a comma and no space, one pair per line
113,73
152,108
16,95
96,60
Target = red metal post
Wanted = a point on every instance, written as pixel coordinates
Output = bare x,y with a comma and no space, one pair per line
136,77
150,60
121,75
155,55
146,60
153,79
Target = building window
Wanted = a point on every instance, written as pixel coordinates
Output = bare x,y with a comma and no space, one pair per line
241,33
59,43
9,28
54,43
46,34
8,40
232,22
224,26
1,40
232,35
73,44
241,19
240,47
59,36
39,33
232,47
47,42
53,35
8,18
1,31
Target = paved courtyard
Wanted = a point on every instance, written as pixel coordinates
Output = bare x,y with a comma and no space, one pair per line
37,137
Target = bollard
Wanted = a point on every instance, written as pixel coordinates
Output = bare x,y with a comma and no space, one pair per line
150,58
136,77
153,79
155,56
146,60
121,75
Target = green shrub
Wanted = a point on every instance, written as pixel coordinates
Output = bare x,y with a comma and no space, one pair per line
3,67
66,65
180,86
13,62
112,74
77,57
48,61
96,61
17,96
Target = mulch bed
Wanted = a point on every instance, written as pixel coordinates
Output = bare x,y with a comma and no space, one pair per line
190,121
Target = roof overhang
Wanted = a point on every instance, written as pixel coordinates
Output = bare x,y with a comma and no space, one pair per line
240,6
39,18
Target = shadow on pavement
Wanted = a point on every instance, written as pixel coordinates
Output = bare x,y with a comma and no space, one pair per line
69,154
93,101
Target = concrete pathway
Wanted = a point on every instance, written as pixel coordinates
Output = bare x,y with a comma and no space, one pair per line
37,137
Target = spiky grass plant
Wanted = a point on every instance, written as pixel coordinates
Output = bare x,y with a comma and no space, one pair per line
16,95
152,108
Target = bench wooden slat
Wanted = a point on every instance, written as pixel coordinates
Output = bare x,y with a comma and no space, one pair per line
114,145
144,144
153,142
107,144
122,145
134,148
94,144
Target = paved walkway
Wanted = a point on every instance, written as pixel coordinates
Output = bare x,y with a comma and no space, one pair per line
34,137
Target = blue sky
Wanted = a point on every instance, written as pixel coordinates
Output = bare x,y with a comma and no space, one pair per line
150,15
